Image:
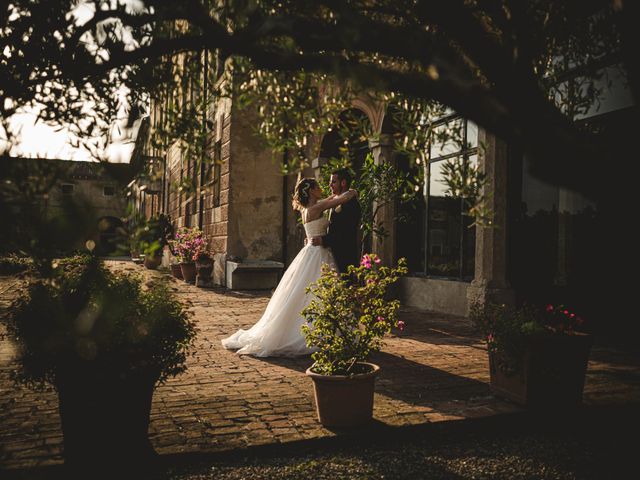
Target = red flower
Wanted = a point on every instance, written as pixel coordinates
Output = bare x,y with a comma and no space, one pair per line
549,308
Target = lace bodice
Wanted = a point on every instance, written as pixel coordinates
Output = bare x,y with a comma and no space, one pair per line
317,227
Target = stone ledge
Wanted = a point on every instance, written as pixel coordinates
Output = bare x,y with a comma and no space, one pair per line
253,274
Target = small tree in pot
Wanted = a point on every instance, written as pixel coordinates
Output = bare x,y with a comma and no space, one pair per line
348,318
103,341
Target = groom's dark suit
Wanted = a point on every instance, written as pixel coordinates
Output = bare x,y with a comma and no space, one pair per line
342,234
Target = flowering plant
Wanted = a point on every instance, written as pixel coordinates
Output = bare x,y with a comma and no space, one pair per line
189,244
507,331
350,314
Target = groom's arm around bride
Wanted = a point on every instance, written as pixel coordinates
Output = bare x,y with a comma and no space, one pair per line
344,222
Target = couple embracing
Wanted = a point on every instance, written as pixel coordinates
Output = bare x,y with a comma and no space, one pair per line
330,239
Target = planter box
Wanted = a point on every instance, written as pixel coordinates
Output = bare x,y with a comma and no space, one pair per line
552,374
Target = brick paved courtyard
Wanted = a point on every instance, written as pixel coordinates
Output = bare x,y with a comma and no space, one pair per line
434,371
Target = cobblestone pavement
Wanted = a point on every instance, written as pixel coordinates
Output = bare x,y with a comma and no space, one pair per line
434,371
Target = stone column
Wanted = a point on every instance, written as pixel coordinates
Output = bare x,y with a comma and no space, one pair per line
382,150
490,279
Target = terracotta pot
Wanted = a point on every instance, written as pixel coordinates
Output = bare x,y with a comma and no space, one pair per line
552,373
152,262
176,270
343,400
188,272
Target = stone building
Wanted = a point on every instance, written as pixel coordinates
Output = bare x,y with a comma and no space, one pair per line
539,249
94,191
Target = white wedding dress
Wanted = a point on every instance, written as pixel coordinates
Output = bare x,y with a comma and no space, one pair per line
278,333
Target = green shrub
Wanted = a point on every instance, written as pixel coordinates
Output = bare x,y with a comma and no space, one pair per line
86,317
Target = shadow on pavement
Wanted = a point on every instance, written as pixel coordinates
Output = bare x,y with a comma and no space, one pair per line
603,431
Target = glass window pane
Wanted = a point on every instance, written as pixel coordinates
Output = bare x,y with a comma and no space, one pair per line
437,187
411,223
614,93
444,222
472,135
443,241
469,246
446,138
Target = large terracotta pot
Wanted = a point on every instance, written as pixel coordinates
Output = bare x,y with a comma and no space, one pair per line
105,421
176,270
344,401
551,374
188,272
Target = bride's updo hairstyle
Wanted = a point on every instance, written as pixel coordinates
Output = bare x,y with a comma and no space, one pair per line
302,193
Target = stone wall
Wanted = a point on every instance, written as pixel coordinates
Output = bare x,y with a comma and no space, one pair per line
255,214
216,200
173,178
446,296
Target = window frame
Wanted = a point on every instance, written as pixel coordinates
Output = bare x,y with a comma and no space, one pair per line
465,152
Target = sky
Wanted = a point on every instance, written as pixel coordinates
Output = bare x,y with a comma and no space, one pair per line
40,140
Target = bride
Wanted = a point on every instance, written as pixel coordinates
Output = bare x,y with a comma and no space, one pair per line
278,333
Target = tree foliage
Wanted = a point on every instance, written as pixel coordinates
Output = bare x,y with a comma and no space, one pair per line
503,64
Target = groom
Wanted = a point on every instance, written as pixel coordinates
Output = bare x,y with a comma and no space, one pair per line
344,220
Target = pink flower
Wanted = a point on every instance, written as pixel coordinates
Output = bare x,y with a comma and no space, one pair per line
566,312
380,319
549,308
377,260
401,325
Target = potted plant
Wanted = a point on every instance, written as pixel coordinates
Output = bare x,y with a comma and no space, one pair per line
204,268
176,270
103,341
537,356
174,261
347,320
188,244
152,236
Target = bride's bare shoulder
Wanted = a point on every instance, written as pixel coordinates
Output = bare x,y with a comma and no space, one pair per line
309,215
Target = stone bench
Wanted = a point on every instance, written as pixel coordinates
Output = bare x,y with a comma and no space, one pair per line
253,274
